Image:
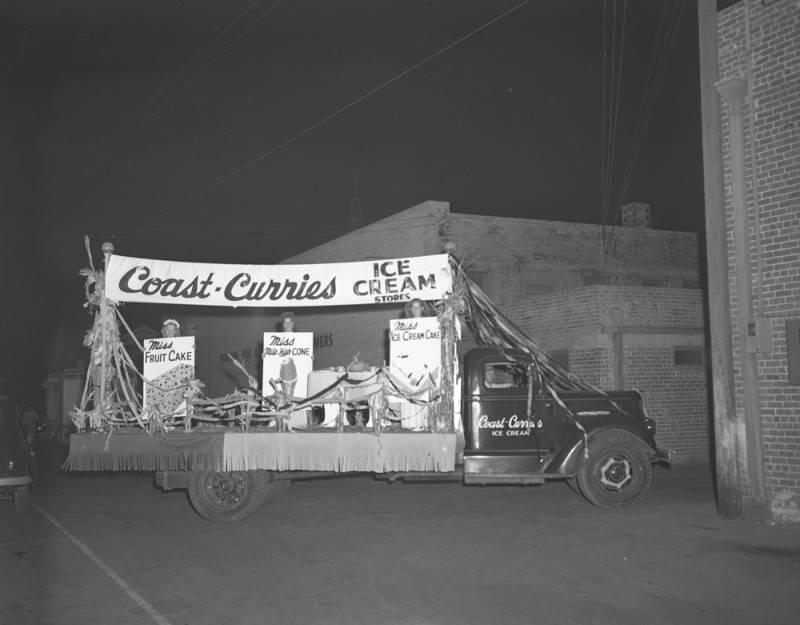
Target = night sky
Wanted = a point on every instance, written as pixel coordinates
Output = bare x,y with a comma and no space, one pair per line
130,118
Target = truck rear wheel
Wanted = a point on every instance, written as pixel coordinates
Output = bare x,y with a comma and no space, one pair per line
618,472
224,497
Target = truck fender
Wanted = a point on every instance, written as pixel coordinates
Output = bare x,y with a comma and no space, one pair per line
569,458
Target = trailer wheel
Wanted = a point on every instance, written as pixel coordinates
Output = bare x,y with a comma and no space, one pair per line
618,472
225,497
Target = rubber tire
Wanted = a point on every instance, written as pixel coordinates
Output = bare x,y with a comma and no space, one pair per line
21,499
628,449
257,487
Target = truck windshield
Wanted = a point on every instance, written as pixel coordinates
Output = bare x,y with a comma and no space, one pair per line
504,375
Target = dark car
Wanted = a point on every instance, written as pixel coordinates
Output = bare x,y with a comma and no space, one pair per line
15,480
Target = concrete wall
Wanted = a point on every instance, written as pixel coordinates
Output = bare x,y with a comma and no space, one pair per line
651,324
775,213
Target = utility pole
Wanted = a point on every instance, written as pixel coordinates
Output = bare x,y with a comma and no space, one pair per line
734,91
726,431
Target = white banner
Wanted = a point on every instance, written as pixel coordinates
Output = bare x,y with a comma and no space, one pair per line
329,284
168,366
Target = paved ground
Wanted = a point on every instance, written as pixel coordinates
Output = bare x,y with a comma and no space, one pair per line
111,549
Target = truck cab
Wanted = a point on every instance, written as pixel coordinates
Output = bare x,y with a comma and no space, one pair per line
516,431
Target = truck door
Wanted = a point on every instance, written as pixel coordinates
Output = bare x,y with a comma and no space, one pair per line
501,418
545,410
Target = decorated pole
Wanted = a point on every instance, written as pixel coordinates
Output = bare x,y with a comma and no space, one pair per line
444,420
447,322
108,249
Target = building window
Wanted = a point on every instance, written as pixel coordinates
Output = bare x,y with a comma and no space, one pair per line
690,357
561,356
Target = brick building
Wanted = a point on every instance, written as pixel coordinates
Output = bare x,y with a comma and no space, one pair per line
623,337
759,62
515,258
617,312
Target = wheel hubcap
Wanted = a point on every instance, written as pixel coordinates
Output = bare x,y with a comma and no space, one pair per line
616,473
225,489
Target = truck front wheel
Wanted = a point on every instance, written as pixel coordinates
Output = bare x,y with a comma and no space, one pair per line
618,472
224,497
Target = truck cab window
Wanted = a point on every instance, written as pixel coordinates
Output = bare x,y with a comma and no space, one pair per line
504,375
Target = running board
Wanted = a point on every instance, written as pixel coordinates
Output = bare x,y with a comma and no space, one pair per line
507,468
502,464
424,476
496,478
470,478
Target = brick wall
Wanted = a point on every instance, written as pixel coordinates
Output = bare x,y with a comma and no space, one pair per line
524,257
595,366
677,398
654,322
558,320
775,40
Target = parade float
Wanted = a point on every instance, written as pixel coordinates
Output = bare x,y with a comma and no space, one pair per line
504,413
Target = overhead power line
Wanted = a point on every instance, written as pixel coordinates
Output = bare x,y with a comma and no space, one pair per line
662,50
232,174
662,35
611,99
